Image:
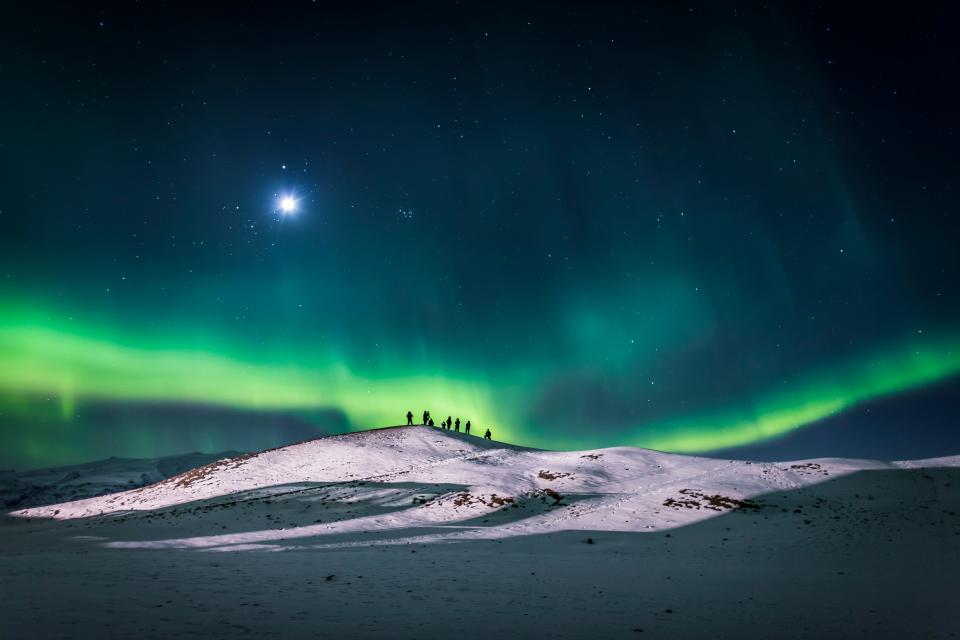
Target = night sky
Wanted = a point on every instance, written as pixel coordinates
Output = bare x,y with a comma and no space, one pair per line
693,227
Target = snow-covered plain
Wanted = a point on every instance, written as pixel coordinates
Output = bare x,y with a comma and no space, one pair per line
417,532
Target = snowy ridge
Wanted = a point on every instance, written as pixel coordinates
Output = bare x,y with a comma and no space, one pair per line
428,485
78,481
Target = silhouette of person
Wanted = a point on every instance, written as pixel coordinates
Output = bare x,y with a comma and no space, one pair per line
426,417
449,422
488,435
443,425
466,428
457,425
431,423
409,418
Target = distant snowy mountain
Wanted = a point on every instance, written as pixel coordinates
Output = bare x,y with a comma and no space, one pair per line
75,482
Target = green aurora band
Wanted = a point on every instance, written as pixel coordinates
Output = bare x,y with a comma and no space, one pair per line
46,361
815,398
39,358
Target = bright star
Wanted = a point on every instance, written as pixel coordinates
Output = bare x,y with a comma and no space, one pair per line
288,205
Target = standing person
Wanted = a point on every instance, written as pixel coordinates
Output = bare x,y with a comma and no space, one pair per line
449,422
467,428
488,435
426,418
457,425
409,418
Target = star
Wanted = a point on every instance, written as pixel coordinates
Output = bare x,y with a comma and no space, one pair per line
288,205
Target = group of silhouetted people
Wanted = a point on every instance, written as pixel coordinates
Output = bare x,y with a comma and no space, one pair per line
449,423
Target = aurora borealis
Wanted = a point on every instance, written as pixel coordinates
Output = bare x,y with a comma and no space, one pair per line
688,228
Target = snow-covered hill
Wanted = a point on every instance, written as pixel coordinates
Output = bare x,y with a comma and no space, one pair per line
398,479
